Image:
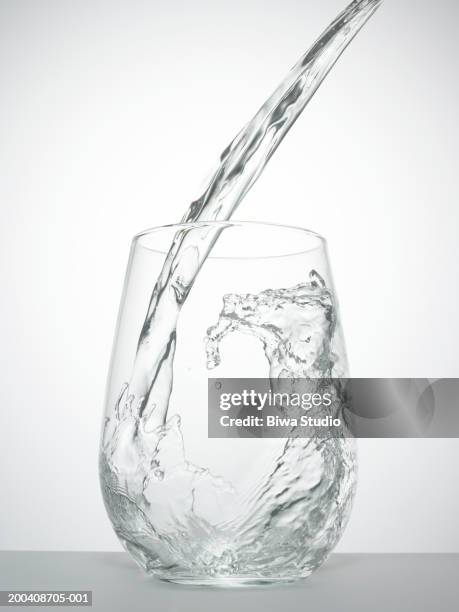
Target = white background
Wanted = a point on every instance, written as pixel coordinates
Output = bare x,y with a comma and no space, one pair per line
111,114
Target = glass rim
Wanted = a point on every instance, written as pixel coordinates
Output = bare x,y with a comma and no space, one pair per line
321,242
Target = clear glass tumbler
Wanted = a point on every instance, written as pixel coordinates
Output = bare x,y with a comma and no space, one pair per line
222,512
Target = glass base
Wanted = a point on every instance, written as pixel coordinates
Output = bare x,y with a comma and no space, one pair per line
180,575
228,582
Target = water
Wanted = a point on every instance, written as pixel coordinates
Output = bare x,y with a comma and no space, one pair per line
163,507
240,165
170,513
297,327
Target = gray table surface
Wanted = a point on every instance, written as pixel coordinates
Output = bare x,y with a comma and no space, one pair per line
357,582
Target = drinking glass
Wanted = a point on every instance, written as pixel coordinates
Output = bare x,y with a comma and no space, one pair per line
247,300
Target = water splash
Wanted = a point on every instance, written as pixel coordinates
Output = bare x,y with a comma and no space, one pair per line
180,520
296,326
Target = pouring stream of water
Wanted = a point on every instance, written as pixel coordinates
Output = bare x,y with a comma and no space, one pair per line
240,165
